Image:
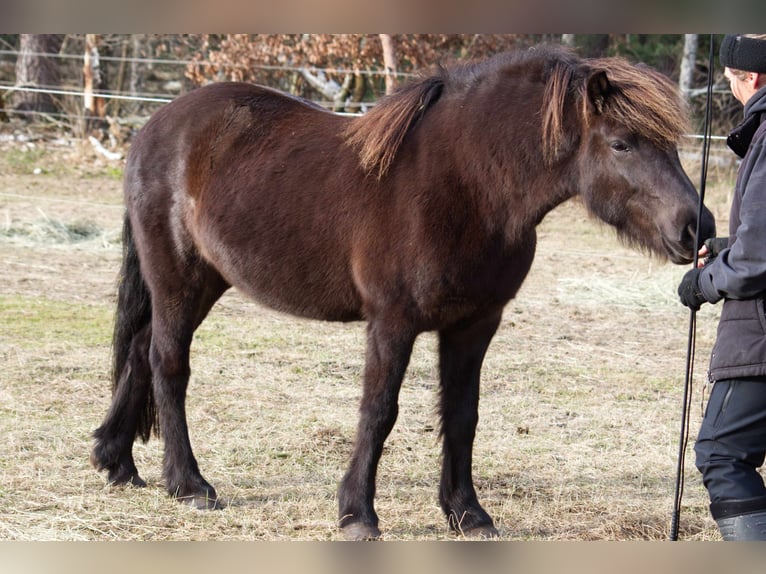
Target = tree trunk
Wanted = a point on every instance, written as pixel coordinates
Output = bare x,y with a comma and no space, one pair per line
136,79
389,61
34,69
594,45
686,78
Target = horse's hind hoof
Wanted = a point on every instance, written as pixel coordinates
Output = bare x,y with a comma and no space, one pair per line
119,475
126,479
486,532
360,532
132,480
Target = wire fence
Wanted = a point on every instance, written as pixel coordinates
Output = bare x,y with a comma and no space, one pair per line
69,89
72,112
185,63
71,95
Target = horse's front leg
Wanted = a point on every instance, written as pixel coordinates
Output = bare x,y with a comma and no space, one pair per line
461,353
388,352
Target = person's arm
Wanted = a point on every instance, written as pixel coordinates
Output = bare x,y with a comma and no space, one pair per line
739,272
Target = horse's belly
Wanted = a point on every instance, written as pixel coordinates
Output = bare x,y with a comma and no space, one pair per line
313,301
287,279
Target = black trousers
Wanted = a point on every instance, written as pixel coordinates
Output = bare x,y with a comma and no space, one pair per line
731,444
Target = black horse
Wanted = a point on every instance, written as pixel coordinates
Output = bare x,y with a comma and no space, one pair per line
418,216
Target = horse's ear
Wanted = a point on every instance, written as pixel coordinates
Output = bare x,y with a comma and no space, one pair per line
598,89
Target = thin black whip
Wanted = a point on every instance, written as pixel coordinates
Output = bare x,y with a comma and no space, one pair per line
686,403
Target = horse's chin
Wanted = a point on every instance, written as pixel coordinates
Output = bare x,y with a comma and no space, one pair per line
676,252
681,246
664,249
680,260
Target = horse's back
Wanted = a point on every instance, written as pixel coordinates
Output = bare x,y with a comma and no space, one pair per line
242,177
191,133
265,189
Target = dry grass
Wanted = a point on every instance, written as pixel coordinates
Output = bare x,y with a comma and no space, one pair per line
579,412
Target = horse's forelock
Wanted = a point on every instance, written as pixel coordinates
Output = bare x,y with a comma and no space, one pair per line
639,97
644,100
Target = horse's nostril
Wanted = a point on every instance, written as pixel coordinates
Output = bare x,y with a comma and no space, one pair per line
690,232
707,228
690,237
686,236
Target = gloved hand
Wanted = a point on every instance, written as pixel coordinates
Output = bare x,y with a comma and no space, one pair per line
714,246
689,290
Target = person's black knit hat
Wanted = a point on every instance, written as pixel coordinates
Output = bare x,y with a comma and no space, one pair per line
741,53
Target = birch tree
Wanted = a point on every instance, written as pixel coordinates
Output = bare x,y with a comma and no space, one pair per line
93,79
688,59
389,61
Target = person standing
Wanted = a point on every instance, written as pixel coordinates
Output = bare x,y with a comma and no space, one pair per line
731,444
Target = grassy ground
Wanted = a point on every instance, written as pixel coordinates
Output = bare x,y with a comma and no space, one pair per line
580,404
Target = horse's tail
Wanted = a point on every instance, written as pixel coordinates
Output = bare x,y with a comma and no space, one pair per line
133,316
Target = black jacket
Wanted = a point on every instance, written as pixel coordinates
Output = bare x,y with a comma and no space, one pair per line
738,274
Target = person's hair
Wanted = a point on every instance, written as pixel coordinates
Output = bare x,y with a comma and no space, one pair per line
742,74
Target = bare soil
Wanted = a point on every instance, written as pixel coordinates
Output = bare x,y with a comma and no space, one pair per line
580,405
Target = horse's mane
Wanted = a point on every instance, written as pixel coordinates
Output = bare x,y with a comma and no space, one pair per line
637,96
378,134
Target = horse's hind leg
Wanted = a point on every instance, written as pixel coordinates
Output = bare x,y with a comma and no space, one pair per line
113,450
175,316
461,353
132,411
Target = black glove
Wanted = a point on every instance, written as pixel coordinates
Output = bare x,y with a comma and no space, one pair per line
689,290
714,246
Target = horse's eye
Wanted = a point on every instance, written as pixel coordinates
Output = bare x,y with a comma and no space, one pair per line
619,146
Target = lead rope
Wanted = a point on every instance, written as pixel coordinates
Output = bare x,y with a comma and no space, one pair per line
686,403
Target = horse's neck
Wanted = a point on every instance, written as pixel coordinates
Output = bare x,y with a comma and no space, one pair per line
518,204
512,190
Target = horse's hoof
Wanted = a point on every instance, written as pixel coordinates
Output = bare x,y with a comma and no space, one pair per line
122,476
486,532
133,480
202,502
126,480
360,532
